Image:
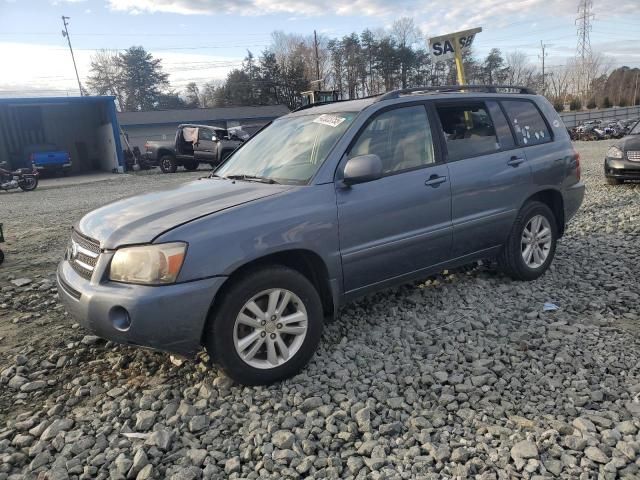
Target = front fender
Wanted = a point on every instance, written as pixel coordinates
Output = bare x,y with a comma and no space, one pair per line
302,218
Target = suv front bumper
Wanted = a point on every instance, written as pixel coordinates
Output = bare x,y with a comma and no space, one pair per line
170,318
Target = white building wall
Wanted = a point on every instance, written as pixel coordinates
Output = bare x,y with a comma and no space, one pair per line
107,154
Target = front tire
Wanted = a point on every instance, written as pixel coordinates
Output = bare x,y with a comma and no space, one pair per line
531,245
266,327
168,164
29,184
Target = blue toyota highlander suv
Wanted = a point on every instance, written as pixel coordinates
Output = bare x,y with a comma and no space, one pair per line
324,205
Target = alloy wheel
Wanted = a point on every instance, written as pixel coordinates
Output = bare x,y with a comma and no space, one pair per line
270,328
536,241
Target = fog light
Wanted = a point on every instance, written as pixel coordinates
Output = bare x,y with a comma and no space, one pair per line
120,319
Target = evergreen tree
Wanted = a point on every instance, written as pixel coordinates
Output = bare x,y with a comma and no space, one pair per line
142,79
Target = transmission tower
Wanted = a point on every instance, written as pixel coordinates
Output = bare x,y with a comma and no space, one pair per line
584,28
583,52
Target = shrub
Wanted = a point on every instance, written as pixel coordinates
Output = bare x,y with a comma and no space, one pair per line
558,106
575,104
606,103
592,104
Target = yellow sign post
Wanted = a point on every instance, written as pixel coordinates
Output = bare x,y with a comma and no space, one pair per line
460,68
452,44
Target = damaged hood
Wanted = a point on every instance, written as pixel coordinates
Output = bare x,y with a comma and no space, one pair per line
142,218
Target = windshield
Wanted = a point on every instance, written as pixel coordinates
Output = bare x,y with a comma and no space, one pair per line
290,150
636,129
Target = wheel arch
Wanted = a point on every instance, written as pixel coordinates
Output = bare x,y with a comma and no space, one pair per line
552,198
306,262
165,151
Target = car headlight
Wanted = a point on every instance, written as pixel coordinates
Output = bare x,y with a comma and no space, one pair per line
614,152
148,264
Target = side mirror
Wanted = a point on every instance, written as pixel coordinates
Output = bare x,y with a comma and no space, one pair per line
361,169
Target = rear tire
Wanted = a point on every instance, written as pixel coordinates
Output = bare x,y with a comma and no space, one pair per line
168,164
613,181
191,166
232,321
527,254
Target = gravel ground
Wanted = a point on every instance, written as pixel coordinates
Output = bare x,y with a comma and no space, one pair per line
460,376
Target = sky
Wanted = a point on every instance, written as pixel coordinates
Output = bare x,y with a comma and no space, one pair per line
201,40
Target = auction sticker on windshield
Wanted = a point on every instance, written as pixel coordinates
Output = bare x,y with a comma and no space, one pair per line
331,120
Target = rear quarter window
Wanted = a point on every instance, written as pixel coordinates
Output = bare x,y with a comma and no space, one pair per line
527,122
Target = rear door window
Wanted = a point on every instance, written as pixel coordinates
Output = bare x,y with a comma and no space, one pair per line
468,130
527,122
505,138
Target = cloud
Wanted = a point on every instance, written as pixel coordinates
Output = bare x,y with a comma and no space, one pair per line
431,15
53,74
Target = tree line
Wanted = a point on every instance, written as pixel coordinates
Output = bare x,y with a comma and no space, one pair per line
355,66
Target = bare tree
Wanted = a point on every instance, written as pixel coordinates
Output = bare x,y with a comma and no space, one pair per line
209,92
105,76
560,83
520,71
192,94
405,32
598,66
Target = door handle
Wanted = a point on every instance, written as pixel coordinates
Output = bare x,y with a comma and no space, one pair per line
515,161
435,180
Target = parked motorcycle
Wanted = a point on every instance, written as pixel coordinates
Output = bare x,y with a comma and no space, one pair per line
23,178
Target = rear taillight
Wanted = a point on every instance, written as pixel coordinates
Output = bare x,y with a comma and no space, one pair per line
576,155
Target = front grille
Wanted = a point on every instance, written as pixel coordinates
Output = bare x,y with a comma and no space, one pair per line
634,155
83,254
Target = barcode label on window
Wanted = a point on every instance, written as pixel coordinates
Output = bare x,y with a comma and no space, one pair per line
330,120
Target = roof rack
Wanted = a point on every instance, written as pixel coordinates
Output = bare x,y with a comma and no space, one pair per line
456,88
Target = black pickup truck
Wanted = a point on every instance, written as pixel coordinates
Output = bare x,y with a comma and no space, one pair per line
193,145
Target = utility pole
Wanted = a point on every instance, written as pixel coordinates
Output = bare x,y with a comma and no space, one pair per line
635,92
65,33
315,44
544,54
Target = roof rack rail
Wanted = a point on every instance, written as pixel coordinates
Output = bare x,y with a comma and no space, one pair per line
456,88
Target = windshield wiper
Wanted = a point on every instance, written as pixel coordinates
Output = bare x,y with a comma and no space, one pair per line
252,178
